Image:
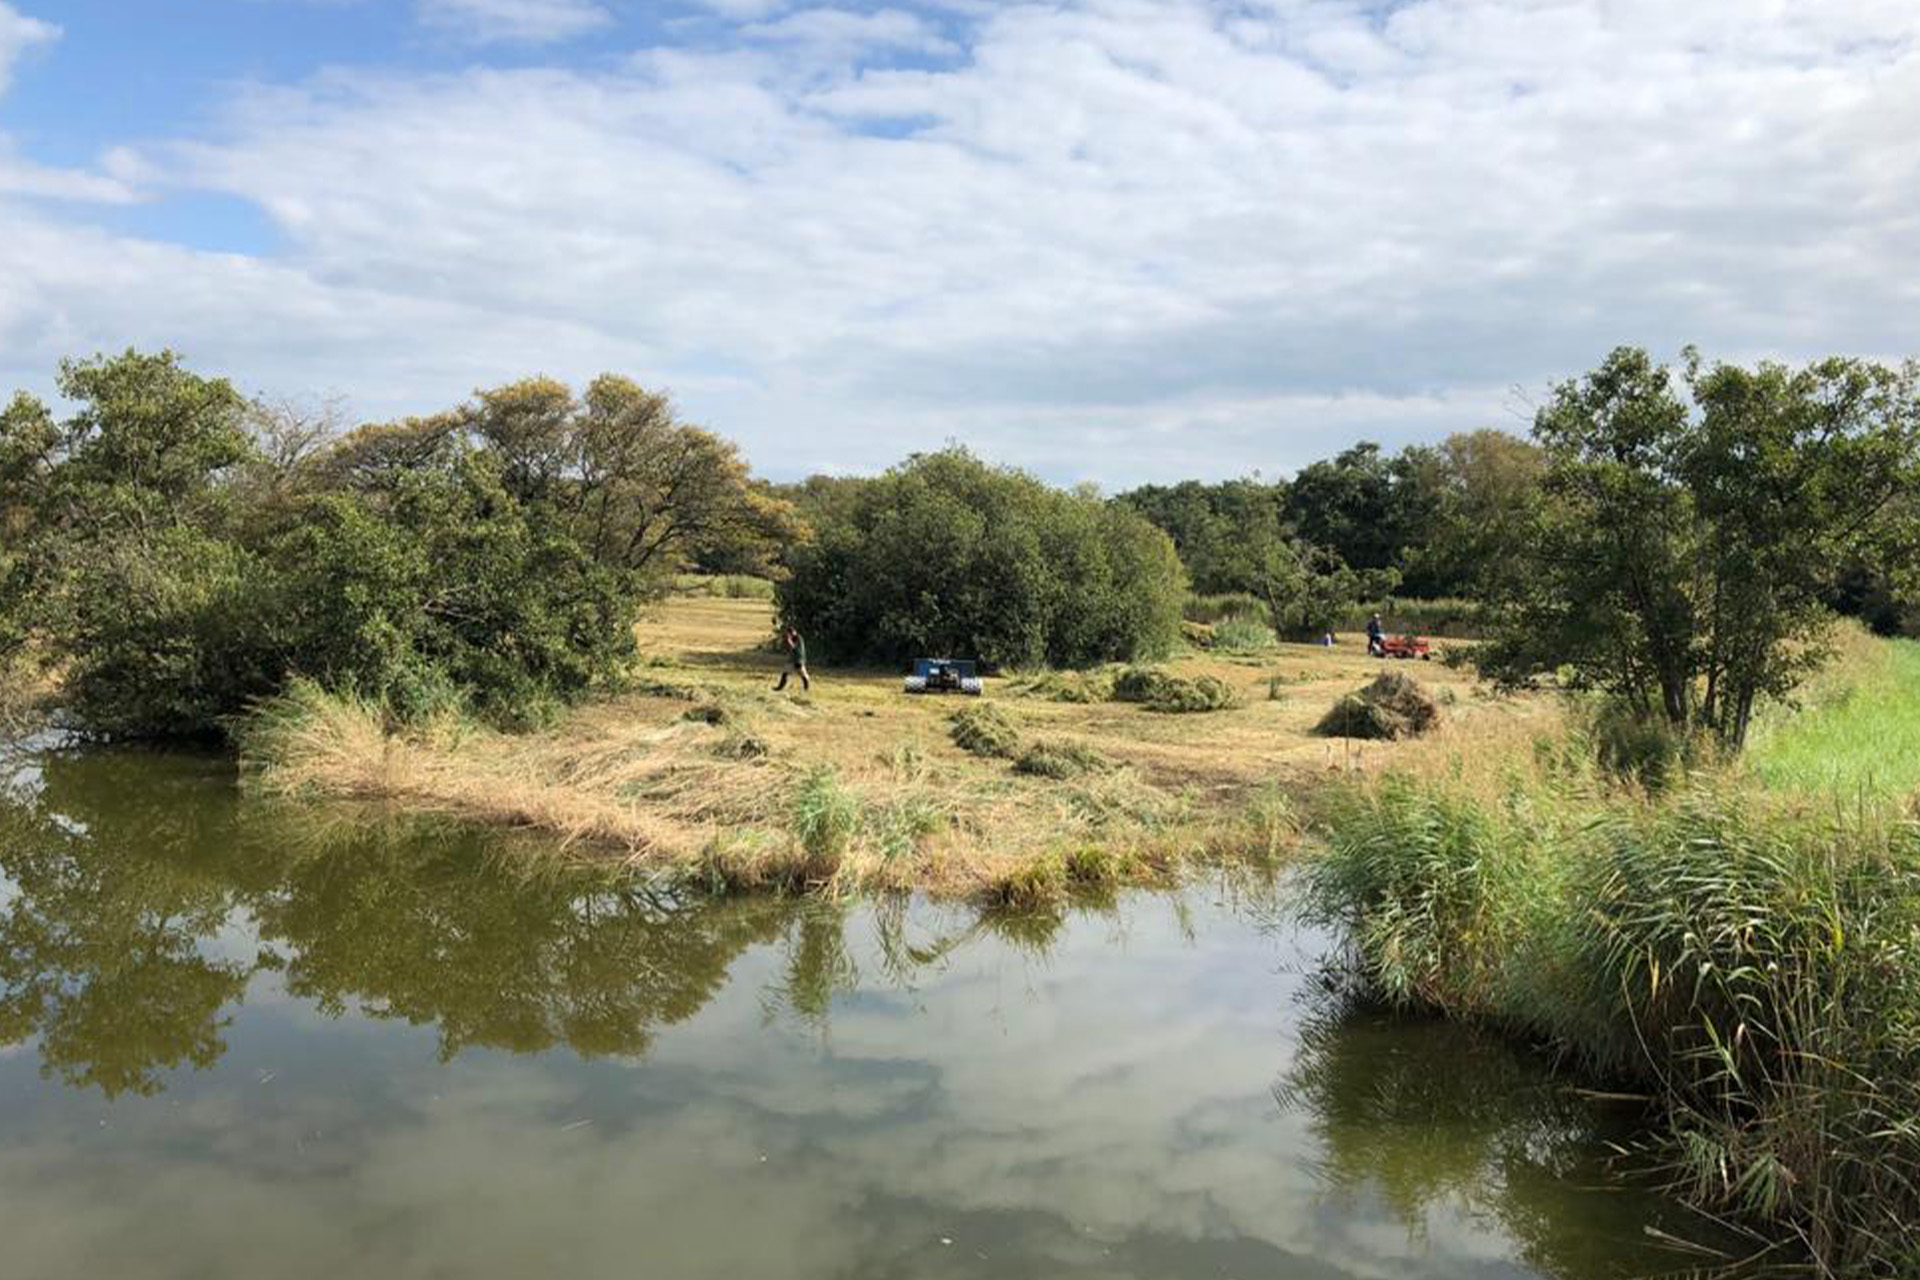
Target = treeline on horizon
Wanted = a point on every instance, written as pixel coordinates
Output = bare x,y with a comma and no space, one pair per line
177,552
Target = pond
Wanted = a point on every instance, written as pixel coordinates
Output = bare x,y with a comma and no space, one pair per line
238,1040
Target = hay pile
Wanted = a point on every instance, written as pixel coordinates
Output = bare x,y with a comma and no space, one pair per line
1160,690
983,729
1393,706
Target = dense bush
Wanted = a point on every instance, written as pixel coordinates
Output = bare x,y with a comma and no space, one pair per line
946,556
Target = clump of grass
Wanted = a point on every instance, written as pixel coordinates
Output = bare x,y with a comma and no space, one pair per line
739,744
1060,760
983,729
707,713
1243,635
1746,960
898,826
1161,690
824,816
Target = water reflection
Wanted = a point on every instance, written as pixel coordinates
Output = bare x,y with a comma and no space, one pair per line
352,1045
1417,1114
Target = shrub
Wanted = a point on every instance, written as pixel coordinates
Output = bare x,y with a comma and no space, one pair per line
983,729
1392,706
1060,760
1161,690
946,555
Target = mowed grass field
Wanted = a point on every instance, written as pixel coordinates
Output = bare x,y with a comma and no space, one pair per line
853,712
703,772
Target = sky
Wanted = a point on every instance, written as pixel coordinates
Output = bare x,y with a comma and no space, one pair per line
1105,240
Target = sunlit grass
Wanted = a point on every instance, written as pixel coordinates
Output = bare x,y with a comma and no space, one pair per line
1861,739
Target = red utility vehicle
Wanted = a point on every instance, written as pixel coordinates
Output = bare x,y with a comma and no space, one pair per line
1405,647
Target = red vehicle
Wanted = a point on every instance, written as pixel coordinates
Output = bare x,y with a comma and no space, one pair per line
1406,646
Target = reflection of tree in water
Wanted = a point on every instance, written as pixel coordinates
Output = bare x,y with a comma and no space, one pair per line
423,923
1420,1112
99,945
127,865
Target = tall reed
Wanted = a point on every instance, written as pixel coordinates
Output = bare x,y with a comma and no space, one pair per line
1749,960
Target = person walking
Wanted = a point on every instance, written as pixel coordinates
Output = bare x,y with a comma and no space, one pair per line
796,660
1376,637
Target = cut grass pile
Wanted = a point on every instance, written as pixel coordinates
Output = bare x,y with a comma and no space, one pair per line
1390,706
983,729
1741,947
1060,760
1160,690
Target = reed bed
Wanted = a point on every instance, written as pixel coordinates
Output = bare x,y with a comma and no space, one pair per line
1739,948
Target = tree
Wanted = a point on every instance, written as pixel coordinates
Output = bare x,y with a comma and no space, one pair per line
1208,521
1681,560
1307,589
947,555
1485,484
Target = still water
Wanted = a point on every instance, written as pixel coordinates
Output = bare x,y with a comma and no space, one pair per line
238,1041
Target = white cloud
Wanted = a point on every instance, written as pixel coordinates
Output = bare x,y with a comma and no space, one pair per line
516,21
1115,239
18,34
843,33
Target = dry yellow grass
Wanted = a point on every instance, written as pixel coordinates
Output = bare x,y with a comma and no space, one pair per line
709,773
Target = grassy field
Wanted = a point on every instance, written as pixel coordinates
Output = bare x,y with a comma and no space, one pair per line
707,772
1859,734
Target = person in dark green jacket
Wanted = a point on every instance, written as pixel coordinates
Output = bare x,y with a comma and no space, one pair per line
796,660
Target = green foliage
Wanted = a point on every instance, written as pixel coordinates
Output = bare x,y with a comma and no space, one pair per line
1243,635
1206,522
1682,561
824,816
180,555
1306,588
1161,690
1864,739
1747,962
1060,760
983,729
946,556
1364,507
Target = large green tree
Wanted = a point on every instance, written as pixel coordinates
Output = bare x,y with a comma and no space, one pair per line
1680,558
945,555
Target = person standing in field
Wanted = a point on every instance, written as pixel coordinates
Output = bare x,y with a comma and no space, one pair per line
796,660
1376,637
